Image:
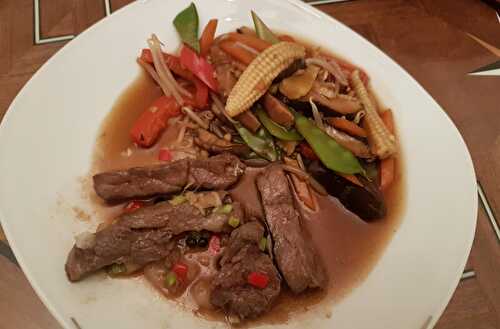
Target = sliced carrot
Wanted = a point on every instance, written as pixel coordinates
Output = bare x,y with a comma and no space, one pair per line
207,37
387,166
238,53
250,41
352,178
286,37
347,126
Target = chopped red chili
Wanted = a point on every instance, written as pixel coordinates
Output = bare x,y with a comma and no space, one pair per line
164,155
133,205
214,244
181,270
258,279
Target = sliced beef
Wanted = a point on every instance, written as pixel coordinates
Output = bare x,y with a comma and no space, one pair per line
294,253
217,172
142,236
242,256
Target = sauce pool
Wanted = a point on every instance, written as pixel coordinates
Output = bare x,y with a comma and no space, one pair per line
348,247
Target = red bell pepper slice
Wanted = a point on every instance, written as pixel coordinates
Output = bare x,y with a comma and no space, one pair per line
258,279
199,67
153,121
173,63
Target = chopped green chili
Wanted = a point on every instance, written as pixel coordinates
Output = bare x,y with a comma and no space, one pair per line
233,222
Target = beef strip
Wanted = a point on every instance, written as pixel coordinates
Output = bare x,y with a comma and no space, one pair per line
294,254
143,236
231,290
217,172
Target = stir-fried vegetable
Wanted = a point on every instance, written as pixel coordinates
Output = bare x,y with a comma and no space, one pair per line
261,142
165,78
257,77
153,121
233,222
382,142
387,166
277,111
186,24
357,147
177,200
300,84
301,187
134,205
214,245
331,154
170,279
164,155
180,270
347,126
258,280
237,52
207,37
249,41
249,120
117,269
199,67
224,209
275,129
263,244
262,30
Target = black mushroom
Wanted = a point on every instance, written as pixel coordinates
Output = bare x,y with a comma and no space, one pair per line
365,201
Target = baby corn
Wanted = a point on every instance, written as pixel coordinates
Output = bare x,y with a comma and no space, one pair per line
257,77
382,142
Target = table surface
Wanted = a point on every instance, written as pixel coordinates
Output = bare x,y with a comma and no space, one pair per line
438,42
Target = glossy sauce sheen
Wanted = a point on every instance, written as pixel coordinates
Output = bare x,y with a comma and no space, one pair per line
348,246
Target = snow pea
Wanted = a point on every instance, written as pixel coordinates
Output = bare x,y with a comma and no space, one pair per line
275,129
332,155
263,32
261,143
186,24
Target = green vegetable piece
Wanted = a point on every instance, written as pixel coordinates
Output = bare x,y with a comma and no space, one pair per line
263,244
224,209
262,30
186,24
233,222
275,129
117,269
177,200
261,143
332,155
170,279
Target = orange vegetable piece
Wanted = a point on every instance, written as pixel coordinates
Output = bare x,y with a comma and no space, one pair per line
207,37
239,53
250,41
347,126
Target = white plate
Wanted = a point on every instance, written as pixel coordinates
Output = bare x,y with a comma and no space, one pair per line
47,136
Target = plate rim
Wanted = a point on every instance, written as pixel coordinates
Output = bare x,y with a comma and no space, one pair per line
67,323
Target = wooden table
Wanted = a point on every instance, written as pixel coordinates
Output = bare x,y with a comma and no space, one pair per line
428,38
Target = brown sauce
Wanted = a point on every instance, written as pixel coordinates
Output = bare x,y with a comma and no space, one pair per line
348,246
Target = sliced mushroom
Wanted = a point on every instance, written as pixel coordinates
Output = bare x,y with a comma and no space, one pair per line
277,111
214,144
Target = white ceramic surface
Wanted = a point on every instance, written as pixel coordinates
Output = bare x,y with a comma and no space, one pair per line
47,136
